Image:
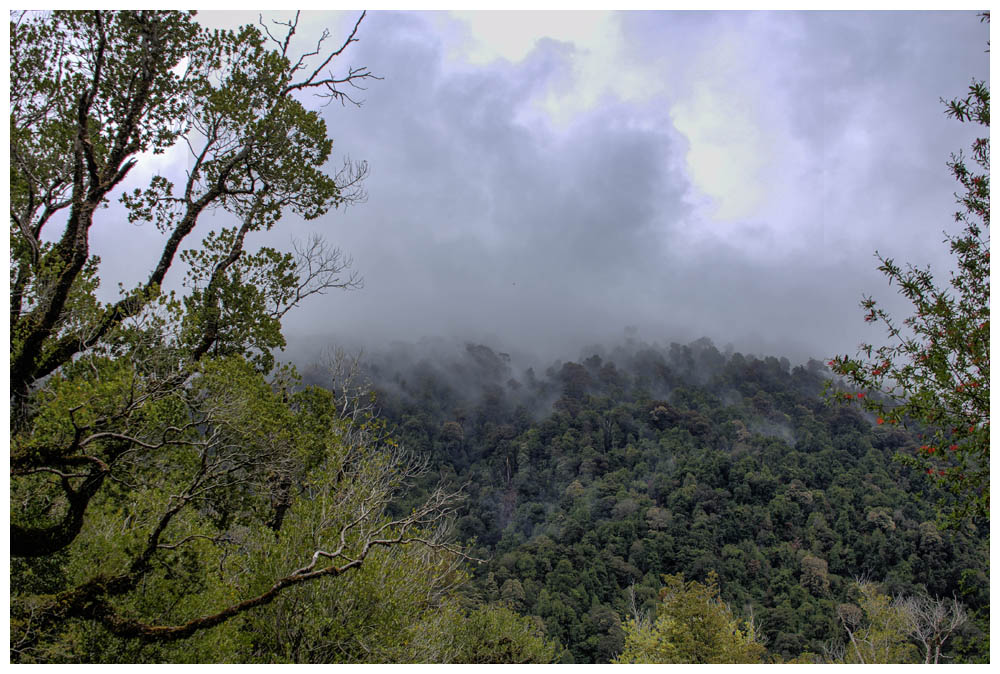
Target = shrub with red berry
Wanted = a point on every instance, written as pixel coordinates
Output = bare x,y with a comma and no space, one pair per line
935,369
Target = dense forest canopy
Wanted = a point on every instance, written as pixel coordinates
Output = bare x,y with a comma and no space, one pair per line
177,494
658,459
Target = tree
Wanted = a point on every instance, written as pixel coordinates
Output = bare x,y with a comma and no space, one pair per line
166,478
931,622
815,576
875,627
206,528
692,625
935,370
90,93
512,593
881,629
490,634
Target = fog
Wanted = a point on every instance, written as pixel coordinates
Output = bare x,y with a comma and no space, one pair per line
727,175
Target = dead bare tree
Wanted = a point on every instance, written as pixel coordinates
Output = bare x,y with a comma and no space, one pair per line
931,622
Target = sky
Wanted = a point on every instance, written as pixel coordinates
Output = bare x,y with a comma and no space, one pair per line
541,180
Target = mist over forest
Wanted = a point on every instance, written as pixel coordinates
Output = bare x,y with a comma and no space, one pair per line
588,478
499,337
468,367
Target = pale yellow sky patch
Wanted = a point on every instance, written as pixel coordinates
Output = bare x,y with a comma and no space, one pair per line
599,65
722,118
513,35
728,149
727,152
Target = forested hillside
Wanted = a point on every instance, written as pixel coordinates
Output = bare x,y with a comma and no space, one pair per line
180,492
591,480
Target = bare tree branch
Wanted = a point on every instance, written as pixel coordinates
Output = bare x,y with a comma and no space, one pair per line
931,622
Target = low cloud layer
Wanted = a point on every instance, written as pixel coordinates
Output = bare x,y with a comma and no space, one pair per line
740,194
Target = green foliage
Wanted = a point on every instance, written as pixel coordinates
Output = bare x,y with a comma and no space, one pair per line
785,498
237,305
934,372
174,495
483,635
252,482
91,91
692,625
876,629
362,618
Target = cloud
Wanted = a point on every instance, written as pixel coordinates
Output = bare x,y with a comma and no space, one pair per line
514,35
739,195
496,223
598,60
479,223
727,153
